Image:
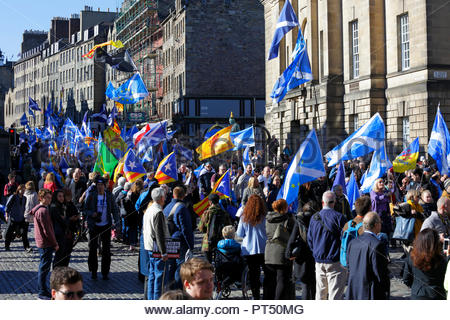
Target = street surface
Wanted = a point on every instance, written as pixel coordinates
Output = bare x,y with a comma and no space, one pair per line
18,273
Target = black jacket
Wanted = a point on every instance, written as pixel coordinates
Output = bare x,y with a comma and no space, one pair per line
426,285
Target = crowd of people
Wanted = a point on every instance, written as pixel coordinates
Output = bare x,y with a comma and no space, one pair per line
334,250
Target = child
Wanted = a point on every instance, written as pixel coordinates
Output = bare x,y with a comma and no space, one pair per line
228,245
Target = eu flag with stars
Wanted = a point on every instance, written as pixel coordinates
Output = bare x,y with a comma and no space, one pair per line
132,167
132,91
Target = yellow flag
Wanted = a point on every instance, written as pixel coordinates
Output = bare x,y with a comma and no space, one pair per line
218,143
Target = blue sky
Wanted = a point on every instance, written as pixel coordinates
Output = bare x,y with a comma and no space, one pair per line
19,15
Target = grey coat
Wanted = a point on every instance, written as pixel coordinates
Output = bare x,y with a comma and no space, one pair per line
275,251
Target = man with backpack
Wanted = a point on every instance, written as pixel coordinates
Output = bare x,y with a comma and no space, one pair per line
324,239
367,264
180,228
353,228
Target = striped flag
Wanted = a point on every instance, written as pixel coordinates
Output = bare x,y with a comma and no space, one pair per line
167,169
222,188
132,167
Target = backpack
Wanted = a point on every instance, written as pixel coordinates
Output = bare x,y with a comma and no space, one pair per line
348,235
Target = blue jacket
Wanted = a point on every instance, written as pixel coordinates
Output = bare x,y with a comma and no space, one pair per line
254,237
325,242
182,223
229,247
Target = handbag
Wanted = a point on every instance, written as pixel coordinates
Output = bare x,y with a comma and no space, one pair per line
404,229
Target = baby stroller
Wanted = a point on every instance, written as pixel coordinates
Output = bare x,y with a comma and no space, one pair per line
230,270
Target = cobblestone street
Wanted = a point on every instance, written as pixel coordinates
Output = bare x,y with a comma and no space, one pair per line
18,272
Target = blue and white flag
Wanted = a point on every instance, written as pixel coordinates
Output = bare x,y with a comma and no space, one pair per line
154,136
379,165
368,138
306,166
23,119
148,156
101,116
439,144
297,73
112,116
246,158
243,138
33,105
132,91
286,22
352,191
31,113
84,128
184,152
340,177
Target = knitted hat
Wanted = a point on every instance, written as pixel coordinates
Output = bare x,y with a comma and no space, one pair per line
447,184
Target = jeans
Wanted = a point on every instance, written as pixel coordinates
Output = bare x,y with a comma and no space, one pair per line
46,256
156,274
173,272
104,234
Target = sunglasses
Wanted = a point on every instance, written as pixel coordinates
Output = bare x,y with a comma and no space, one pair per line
71,294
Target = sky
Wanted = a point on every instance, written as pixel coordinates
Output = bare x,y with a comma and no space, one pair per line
16,16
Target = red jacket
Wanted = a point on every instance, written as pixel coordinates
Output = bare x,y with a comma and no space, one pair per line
44,234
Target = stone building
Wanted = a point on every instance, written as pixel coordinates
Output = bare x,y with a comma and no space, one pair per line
6,82
390,57
213,63
138,26
55,71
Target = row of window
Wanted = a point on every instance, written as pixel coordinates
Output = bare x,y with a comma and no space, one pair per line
169,28
175,83
403,36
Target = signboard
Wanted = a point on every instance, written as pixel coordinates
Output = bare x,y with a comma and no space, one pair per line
136,116
172,247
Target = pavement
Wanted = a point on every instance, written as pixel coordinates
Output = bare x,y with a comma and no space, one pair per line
18,273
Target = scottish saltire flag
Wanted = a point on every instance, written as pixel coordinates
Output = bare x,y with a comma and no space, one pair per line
84,128
112,116
408,158
148,156
243,138
184,152
171,134
340,177
132,91
307,165
132,167
167,170
128,136
246,158
298,72
138,135
33,105
49,110
153,137
439,144
352,191
198,170
23,120
379,165
31,113
286,22
302,72
368,138
101,116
